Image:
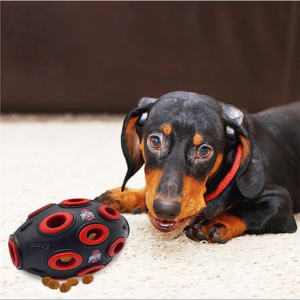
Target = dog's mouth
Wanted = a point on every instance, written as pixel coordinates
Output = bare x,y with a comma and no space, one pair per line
168,226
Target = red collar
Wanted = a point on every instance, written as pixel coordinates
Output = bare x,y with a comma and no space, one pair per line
226,180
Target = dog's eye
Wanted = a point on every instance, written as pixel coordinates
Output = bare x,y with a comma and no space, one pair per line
204,151
155,142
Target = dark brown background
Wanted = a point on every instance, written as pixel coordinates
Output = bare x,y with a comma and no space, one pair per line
104,56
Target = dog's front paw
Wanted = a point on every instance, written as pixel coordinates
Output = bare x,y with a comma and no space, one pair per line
130,200
111,198
207,230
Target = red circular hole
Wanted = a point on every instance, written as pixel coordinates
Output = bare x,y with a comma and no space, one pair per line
56,222
56,263
93,234
109,212
14,254
116,247
75,202
90,270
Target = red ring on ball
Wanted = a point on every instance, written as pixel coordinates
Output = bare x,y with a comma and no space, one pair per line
109,212
55,263
116,247
90,270
75,202
39,210
14,254
56,222
102,233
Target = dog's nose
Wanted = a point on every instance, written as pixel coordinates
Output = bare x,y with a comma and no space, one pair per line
166,210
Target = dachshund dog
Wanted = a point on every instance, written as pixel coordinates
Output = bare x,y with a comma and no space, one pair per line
211,170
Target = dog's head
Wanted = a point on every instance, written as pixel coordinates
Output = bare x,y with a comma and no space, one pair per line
182,138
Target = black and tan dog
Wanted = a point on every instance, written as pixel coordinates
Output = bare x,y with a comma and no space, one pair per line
210,169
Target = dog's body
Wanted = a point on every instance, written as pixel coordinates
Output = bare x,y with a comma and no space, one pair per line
207,162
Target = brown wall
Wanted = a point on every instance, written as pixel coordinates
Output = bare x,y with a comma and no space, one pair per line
105,56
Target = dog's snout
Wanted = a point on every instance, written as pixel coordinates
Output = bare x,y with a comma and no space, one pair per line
166,210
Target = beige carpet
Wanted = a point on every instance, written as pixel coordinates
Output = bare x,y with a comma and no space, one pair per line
46,160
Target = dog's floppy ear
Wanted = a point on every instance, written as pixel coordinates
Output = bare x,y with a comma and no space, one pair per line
131,136
250,176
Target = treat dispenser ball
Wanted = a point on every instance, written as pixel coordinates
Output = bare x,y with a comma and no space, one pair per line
69,239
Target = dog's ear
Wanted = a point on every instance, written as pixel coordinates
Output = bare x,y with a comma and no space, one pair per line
235,120
250,177
131,136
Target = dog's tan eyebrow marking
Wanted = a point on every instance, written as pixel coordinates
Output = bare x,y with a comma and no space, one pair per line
197,139
167,129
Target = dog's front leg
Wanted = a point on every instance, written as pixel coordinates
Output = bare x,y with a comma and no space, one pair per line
130,200
271,213
216,230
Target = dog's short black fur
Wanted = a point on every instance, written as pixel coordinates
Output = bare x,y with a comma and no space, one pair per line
189,143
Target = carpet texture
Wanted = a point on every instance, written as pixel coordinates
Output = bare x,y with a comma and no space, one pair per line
50,159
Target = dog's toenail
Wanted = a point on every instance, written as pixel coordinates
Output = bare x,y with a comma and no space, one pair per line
197,226
189,234
136,211
201,236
